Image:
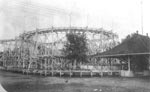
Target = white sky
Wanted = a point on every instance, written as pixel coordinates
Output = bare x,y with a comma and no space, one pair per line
123,16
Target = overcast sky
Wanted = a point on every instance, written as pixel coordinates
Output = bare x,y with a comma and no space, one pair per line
121,16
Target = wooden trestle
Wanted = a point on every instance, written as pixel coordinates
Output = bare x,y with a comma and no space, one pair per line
34,52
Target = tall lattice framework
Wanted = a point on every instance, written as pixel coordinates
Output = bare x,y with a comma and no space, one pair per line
42,48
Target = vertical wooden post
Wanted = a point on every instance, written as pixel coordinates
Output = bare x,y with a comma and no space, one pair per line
41,64
60,62
91,74
70,73
60,73
80,70
110,60
148,62
102,70
23,63
45,66
74,67
80,73
3,59
36,66
129,66
121,65
52,68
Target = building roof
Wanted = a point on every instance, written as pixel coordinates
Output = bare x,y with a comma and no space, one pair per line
134,44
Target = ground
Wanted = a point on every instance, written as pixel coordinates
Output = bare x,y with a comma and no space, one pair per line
13,82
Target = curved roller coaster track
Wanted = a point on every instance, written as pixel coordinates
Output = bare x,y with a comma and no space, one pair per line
42,48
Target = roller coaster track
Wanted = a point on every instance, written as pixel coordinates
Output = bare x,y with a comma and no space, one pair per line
73,29
26,48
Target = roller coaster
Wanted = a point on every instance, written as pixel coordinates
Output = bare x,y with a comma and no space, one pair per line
41,49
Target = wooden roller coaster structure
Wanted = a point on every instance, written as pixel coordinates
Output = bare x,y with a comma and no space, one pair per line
40,50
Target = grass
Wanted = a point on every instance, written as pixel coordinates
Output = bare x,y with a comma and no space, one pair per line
29,83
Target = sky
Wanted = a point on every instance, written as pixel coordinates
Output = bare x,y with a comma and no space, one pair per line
121,16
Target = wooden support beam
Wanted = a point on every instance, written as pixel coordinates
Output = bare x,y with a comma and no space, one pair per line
41,64
101,73
129,66
52,72
60,73
70,73
52,65
40,72
91,73
45,66
45,72
80,73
